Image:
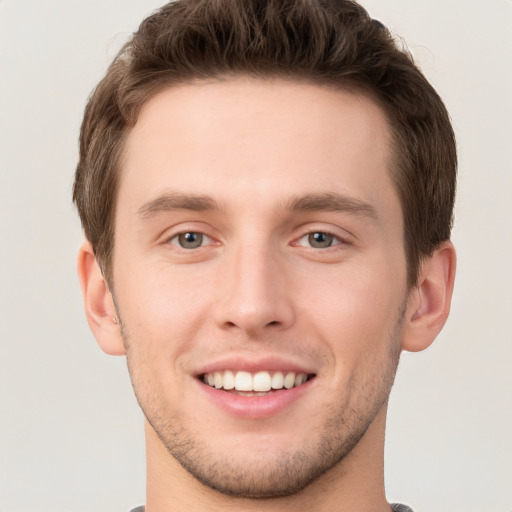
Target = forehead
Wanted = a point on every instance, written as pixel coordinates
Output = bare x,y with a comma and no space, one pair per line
243,138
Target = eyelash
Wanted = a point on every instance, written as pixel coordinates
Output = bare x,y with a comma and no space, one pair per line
332,239
177,237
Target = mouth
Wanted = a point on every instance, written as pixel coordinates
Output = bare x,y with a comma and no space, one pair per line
259,383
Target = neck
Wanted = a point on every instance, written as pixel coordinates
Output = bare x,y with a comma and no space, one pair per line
356,483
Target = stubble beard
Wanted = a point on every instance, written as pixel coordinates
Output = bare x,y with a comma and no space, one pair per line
286,473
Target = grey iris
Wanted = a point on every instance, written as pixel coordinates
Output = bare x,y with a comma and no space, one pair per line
320,240
190,240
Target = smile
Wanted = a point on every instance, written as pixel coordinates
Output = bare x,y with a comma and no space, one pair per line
259,382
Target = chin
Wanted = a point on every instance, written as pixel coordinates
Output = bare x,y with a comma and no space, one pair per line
270,473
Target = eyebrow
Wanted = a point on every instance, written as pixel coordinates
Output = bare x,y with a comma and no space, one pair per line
327,202
177,201
332,202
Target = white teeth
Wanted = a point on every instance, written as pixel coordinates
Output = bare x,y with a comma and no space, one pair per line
229,380
289,380
278,380
300,378
260,382
243,381
217,380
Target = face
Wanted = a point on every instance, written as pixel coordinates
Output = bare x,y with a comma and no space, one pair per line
260,277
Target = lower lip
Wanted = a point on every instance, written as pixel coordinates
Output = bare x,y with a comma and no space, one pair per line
255,407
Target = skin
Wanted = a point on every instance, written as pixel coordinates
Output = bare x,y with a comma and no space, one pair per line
263,152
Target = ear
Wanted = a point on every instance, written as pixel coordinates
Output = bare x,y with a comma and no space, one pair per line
429,302
98,302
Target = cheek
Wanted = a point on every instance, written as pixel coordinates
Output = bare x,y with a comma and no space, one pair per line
161,319
157,298
355,314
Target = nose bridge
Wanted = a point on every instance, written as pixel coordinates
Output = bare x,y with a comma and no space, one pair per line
252,288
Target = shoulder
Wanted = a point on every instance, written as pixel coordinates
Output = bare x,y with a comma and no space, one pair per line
397,507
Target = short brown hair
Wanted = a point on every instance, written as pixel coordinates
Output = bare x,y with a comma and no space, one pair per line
332,42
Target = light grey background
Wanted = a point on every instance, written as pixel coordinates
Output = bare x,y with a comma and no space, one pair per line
71,436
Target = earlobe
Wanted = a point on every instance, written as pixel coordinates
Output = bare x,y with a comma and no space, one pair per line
429,302
98,302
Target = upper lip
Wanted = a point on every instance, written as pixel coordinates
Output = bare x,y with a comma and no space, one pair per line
254,364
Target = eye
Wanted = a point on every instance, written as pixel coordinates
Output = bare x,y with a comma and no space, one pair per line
189,240
319,240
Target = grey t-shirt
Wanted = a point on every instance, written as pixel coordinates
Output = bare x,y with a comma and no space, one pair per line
396,507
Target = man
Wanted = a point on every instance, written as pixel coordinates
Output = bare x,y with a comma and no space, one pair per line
266,190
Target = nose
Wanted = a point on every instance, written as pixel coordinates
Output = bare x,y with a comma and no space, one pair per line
253,292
